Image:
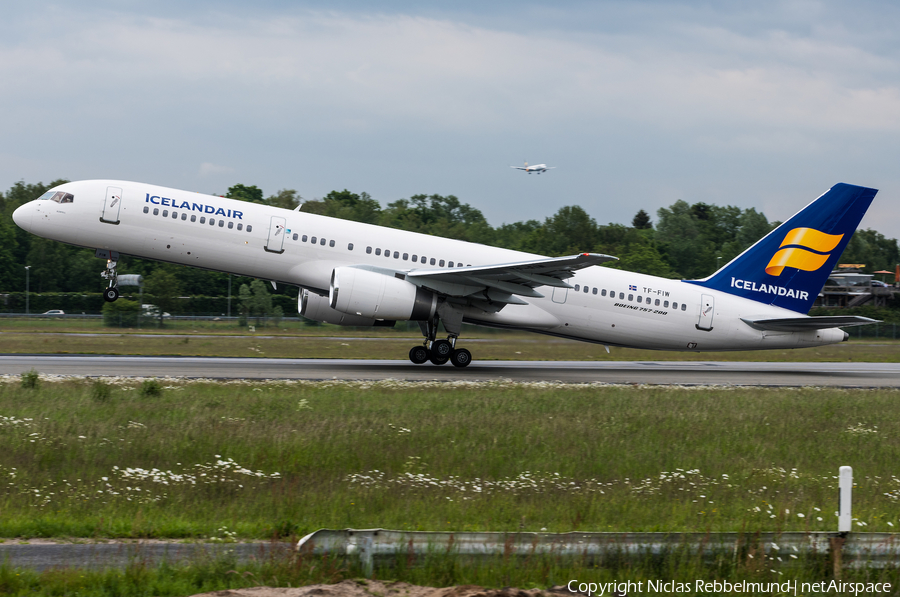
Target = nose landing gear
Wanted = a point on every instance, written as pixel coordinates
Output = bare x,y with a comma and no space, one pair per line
112,291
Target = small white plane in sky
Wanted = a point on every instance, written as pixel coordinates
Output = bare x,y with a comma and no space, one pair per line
357,274
536,168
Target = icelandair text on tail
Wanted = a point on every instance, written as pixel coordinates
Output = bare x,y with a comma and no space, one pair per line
791,587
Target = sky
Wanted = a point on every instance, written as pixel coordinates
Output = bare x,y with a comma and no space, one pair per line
637,104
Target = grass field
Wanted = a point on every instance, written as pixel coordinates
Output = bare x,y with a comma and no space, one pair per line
294,340
81,458
85,459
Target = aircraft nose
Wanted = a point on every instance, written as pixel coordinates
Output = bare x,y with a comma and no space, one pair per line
22,216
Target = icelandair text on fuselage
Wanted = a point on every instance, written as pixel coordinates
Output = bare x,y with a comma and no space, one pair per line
769,289
205,209
791,587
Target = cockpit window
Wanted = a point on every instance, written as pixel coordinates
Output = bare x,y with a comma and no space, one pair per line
58,196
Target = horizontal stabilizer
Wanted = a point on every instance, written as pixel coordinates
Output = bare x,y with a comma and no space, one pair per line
804,324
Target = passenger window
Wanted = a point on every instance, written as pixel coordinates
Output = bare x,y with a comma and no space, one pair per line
221,223
396,254
240,226
296,236
304,238
621,295
432,261
203,219
184,216
586,289
193,218
450,264
349,246
666,304
656,303
594,291
577,287
683,307
368,250
639,298
603,292
155,211
378,251
165,213
415,258
405,256
174,216
212,222
231,225
331,243
146,209
674,305
630,297
322,241
249,227
387,253
441,263
313,240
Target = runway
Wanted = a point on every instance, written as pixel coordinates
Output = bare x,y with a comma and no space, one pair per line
852,375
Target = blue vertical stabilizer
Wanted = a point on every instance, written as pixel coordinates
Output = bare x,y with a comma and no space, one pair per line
791,264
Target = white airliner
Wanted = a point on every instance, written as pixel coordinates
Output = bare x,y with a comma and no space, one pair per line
364,275
536,168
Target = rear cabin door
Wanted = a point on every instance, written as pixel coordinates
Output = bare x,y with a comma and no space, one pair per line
111,205
275,242
707,310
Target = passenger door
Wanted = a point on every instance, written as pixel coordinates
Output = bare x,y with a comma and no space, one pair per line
275,242
707,310
111,205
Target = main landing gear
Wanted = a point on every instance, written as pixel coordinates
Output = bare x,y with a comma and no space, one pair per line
112,291
439,351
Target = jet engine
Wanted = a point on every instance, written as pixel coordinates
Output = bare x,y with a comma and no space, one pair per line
379,296
315,307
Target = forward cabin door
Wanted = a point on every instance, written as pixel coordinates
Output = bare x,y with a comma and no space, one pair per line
275,242
707,310
111,205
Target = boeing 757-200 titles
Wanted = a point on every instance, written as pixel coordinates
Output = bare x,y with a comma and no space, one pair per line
363,275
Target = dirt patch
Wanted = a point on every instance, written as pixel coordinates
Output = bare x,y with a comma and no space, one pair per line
374,588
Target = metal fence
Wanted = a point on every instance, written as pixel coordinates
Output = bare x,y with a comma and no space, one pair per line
381,546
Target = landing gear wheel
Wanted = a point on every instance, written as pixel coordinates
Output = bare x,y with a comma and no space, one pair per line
111,294
461,358
441,351
418,354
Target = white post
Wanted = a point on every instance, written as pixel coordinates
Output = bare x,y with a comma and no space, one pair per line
845,516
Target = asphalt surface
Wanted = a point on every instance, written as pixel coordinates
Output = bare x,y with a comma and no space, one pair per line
863,375
44,556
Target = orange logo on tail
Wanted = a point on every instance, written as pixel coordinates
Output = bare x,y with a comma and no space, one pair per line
800,258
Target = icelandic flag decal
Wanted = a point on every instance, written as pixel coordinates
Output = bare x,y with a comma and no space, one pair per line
632,287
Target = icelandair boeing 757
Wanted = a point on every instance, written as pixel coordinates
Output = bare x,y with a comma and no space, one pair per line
363,275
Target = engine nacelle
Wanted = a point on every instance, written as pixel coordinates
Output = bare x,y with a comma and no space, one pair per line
379,296
315,307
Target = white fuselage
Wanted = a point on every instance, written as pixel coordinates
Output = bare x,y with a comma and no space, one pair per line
606,305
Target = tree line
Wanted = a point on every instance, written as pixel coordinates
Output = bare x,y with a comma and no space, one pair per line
685,240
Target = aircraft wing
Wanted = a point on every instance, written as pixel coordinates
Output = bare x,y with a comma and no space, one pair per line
505,282
518,167
804,324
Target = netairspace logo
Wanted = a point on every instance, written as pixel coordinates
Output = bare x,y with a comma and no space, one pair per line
718,587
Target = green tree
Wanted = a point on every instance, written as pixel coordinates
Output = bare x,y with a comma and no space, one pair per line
285,199
872,249
242,192
641,220
165,289
439,216
255,301
346,206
